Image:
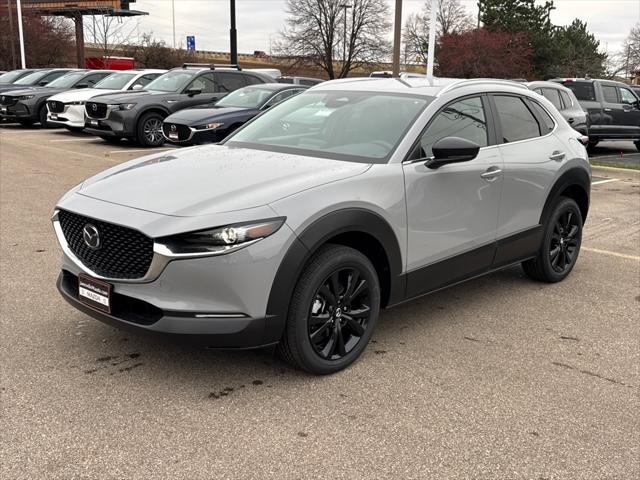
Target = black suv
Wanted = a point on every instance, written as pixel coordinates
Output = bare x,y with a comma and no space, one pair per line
613,109
138,115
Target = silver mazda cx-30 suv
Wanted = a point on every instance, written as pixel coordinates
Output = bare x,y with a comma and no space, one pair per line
354,196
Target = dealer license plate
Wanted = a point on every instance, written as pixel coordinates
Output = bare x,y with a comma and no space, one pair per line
95,123
94,293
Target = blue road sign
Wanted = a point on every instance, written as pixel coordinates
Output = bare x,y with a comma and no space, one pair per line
191,42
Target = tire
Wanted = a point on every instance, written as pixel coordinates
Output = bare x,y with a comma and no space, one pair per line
149,130
315,346
42,117
111,140
560,245
74,129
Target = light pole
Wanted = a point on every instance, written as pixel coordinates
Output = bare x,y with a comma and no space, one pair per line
233,35
344,6
397,35
21,34
173,16
432,40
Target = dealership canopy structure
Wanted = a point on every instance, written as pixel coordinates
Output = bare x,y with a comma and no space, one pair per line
77,10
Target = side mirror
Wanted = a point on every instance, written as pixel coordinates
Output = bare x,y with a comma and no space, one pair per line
193,91
42,83
82,85
452,150
137,86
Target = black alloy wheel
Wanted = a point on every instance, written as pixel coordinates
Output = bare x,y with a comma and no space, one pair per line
560,244
564,242
339,314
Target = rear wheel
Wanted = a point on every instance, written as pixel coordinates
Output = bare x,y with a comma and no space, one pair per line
150,130
334,310
560,246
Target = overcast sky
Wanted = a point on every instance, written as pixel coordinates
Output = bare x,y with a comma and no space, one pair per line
259,21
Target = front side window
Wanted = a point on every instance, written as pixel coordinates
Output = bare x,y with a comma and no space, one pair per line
115,81
352,126
627,96
517,121
146,79
68,80
464,118
171,82
204,83
609,93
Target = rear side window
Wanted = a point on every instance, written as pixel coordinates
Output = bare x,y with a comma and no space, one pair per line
609,93
553,96
464,118
566,99
516,120
542,113
583,91
228,82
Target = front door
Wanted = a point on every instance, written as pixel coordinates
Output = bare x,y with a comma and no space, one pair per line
453,210
628,115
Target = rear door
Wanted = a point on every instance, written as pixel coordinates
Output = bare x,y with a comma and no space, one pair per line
529,150
453,210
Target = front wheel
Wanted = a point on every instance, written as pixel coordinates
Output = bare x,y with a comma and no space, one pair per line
560,245
150,130
333,312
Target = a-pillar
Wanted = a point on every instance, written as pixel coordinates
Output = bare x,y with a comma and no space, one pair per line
77,18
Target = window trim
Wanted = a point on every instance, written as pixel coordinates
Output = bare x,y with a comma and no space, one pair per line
498,124
488,112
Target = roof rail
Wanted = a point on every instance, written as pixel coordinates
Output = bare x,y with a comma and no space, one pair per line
212,66
480,81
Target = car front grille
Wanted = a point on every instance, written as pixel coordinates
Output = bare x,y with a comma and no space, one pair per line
122,253
96,110
184,132
55,106
7,100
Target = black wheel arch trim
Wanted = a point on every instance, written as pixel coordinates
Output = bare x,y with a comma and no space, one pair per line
349,220
573,177
151,109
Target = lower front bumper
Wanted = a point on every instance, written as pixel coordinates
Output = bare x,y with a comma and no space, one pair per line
141,317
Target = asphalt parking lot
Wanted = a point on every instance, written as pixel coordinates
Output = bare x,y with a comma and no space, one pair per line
499,377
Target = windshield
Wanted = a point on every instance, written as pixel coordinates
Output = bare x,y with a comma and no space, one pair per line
67,80
354,126
30,79
115,81
171,81
11,77
250,97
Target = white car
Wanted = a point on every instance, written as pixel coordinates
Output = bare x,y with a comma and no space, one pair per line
67,109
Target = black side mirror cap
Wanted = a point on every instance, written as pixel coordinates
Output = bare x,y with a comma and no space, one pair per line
193,91
452,150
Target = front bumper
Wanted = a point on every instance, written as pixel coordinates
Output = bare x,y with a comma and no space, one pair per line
117,123
71,116
17,111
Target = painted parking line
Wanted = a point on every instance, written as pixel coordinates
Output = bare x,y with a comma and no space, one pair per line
612,254
77,140
602,182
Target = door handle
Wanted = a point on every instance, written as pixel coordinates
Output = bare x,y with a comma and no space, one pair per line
557,156
608,110
491,173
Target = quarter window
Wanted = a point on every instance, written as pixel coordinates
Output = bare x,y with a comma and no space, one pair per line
542,113
516,120
609,93
566,100
465,119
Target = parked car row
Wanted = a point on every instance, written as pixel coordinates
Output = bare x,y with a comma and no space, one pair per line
133,104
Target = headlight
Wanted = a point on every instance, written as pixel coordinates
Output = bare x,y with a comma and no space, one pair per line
208,126
26,97
127,106
75,103
220,240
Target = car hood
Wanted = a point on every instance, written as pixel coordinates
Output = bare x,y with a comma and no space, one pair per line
80,95
39,91
7,87
197,116
213,179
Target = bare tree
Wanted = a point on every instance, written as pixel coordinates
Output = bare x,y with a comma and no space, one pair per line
315,33
630,54
109,33
451,17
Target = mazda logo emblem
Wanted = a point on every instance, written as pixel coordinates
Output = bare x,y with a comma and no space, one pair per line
173,128
91,236
94,107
